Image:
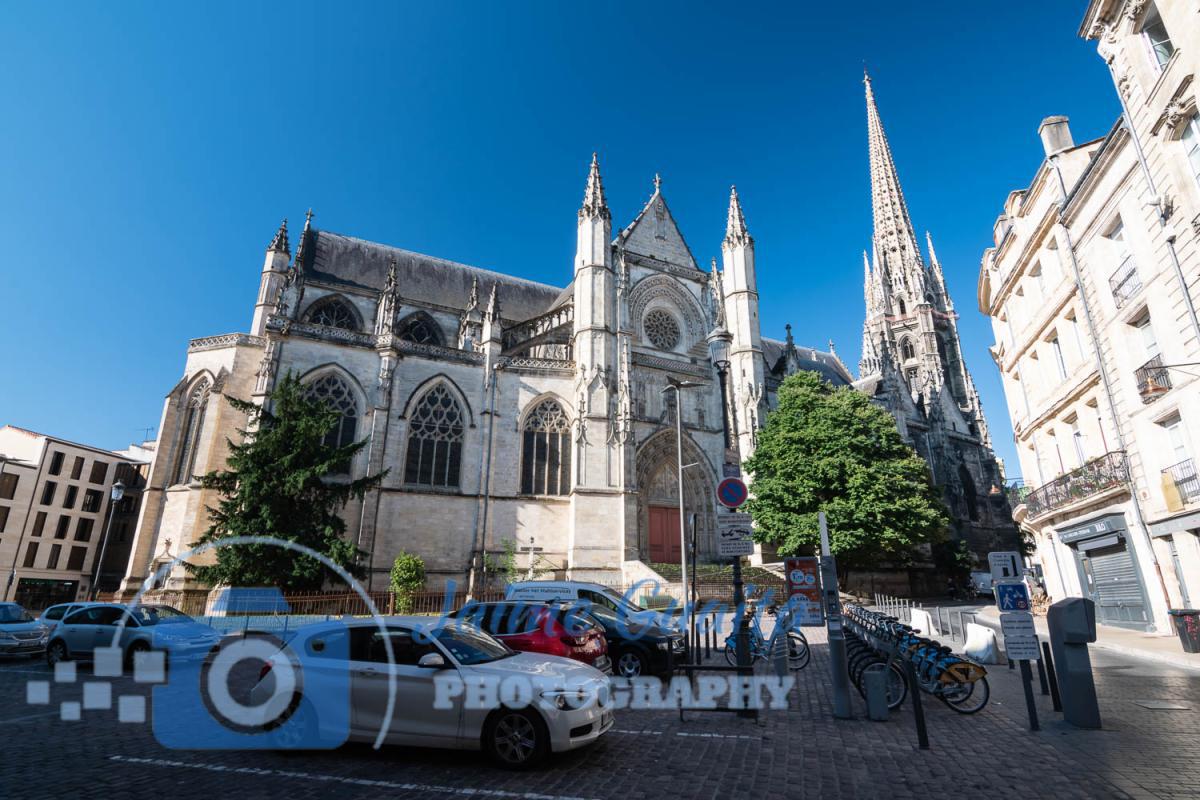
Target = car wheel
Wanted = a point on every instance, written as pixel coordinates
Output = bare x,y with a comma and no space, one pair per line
630,664
136,647
56,652
515,739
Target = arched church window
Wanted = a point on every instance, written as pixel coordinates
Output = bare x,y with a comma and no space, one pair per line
419,329
546,450
903,307
661,329
907,350
333,313
435,437
331,390
193,423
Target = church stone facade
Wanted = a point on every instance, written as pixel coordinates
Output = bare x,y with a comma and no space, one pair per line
912,362
502,409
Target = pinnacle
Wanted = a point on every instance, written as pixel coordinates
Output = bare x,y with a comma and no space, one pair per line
279,243
595,206
736,232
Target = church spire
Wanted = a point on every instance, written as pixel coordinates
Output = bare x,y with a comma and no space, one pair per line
279,243
895,239
595,205
935,271
736,232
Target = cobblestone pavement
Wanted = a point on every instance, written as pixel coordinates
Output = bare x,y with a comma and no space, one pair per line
799,753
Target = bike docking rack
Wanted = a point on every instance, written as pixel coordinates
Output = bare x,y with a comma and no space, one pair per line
908,665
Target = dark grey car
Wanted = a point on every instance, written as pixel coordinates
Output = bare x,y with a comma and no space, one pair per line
20,633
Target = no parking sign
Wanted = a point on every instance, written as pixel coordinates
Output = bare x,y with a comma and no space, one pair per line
732,492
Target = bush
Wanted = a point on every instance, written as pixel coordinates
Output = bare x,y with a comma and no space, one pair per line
408,578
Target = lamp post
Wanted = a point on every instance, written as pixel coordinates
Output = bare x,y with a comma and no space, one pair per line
676,385
117,492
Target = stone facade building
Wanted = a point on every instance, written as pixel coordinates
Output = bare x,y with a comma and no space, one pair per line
503,409
912,361
1091,290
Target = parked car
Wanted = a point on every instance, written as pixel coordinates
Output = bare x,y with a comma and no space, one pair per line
981,584
538,627
635,649
515,738
147,627
594,593
20,633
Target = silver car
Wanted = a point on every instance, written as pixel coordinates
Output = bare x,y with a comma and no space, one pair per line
20,633
570,704
87,626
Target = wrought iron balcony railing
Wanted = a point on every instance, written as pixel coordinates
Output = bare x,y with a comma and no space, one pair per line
1017,492
1153,380
1125,282
1180,484
1097,475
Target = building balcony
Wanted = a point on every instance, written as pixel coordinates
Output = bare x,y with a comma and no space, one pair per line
1180,485
1153,380
1017,492
1096,476
1125,282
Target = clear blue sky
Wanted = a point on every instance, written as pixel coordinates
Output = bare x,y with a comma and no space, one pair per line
148,151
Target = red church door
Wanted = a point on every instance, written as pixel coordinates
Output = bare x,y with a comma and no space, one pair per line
664,534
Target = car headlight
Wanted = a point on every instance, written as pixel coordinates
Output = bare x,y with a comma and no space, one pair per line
665,645
564,699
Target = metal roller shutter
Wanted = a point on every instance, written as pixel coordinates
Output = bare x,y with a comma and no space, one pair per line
1118,589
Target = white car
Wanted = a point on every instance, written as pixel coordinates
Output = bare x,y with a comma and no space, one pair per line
594,593
570,704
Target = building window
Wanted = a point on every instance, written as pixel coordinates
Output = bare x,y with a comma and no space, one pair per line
48,492
8,485
1157,39
39,524
419,329
333,392
907,350
83,530
31,550
193,423
56,463
64,523
1148,339
99,470
903,307
76,559
91,501
3,518
69,500
334,313
1077,441
435,436
1059,362
1191,145
661,329
546,451
55,552
77,468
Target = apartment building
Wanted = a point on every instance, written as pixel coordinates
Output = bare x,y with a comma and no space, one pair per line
55,502
1090,287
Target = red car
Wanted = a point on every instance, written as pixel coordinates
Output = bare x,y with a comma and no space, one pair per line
532,627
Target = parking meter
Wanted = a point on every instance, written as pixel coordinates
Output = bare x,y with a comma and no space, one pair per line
1072,625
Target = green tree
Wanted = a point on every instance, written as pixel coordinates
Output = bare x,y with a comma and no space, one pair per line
283,480
833,450
408,578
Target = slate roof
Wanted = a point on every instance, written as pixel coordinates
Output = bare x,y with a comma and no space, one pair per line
827,365
347,261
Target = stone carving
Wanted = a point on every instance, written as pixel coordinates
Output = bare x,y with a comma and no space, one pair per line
225,340
664,288
661,329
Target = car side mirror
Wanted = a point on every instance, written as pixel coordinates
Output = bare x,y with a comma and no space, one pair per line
432,661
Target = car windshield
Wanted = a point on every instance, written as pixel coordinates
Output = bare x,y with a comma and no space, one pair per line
470,646
14,613
159,615
622,602
603,613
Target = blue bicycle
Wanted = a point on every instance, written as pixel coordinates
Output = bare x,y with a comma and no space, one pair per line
799,653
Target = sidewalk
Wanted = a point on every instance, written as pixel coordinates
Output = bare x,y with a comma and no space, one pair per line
1165,649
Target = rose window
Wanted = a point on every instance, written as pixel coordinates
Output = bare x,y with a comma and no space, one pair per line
661,329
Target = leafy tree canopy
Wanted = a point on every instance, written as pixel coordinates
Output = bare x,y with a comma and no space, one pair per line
833,450
286,479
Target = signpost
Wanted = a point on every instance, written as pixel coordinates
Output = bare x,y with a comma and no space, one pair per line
804,591
1005,565
1012,596
734,535
733,541
1020,638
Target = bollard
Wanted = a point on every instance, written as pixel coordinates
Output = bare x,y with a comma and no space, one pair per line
914,691
876,685
1030,705
1054,696
938,609
1042,677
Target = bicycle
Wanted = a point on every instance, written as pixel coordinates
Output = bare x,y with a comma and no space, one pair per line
799,653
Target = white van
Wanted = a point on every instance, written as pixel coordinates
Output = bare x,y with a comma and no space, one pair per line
593,593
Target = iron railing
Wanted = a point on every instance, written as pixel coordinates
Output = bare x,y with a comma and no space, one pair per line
1097,475
1187,483
1153,380
1017,492
1125,282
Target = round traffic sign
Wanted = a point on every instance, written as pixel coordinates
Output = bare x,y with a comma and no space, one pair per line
732,492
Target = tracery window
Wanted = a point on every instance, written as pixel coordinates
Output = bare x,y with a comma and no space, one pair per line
907,350
661,329
193,423
419,329
435,437
334,313
546,450
335,393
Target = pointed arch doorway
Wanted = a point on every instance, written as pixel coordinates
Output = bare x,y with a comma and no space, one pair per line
658,499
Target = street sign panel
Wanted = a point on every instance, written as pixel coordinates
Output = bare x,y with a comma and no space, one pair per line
804,591
1020,636
732,492
733,535
1012,596
1005,565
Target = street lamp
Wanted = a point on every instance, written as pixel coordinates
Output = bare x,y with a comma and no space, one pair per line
719,342
116,493
672,383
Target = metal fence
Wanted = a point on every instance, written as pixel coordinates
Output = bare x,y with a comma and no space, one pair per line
1097,475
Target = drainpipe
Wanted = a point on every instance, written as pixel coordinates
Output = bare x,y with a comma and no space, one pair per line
1105,381
362,514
